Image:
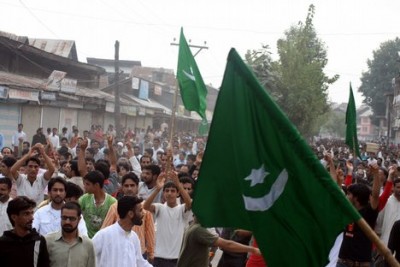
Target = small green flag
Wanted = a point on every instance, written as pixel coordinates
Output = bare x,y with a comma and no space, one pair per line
259,174
351,125
191,84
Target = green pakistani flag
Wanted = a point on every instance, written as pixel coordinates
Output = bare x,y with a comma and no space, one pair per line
259,174
351,125
191,84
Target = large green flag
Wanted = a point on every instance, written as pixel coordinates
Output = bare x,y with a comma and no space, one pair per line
191,84
259,174
351,125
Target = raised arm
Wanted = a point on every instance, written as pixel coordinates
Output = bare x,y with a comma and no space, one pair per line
185,195
21,162
233,246
375,186
50,166
148,204
137,169
81,158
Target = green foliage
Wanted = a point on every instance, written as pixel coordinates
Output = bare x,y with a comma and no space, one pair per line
335,124
377,80
297,80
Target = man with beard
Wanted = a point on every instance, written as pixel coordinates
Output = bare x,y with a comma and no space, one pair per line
48,218
22,246
146,231
39,137
148,186
118,245
69,247
5,189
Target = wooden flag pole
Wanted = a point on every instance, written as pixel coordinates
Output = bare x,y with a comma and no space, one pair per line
172,128
383,250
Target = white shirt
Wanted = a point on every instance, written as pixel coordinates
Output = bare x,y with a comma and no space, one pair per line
55,140
114,246
387,218
171,223
34,191
47,220
16,136
5,223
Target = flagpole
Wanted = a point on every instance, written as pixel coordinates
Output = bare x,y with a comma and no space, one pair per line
172,128
384,251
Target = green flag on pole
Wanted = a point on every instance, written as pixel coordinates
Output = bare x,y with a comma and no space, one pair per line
259,174
351,125
191,84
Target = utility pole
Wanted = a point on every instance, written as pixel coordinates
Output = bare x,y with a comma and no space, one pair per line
117,108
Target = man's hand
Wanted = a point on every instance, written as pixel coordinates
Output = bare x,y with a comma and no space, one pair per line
160,181
83,145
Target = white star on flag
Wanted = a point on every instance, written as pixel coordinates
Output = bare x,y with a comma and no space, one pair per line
257,176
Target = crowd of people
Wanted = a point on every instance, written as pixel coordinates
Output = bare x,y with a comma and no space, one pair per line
104,199
107,199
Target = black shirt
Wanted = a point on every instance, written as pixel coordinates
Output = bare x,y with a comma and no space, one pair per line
356,246
394,240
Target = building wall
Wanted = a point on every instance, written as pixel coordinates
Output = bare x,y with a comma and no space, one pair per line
31,117
9,119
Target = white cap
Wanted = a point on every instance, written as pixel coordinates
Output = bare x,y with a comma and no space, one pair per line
120,144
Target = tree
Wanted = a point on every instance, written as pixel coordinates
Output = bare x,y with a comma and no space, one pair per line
335,125
377,80
297,80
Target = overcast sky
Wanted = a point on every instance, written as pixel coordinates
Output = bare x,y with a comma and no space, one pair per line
351,30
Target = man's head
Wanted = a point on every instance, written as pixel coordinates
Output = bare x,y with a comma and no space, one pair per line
130,208
6,152
89,164
358,194
136,150
93,182
145,161
64,130
150,173
170,192
20,127
148,152
55,130
5,189
39,130
130,184
187,184
89,153
73,192
103,167
123,168
20,212
70,216
95,145
396,188
156,142
56,188
32,167
6,164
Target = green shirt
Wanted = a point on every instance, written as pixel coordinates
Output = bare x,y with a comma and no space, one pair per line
94,215
196,244
62,254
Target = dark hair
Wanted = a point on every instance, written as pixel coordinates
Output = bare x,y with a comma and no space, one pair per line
6,147
73,190
103,167
9,161
155,169
106,151
124,165
95,177
150,151
19,204
20,124
72,206
396,181
145,157
6,181
132,176
64,138
361,192
53,181
63,151
32,159
191,157
186,180
90,150
90,159
27,143
127,203
170,184
74,167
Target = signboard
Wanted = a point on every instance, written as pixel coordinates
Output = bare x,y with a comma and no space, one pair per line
24,95
135,83
68,85
157,90
48,96
144,90
54,80
372,147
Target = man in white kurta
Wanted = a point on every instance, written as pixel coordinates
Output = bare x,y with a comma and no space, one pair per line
117,244
389,214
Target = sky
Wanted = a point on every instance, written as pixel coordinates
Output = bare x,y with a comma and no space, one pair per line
350,29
